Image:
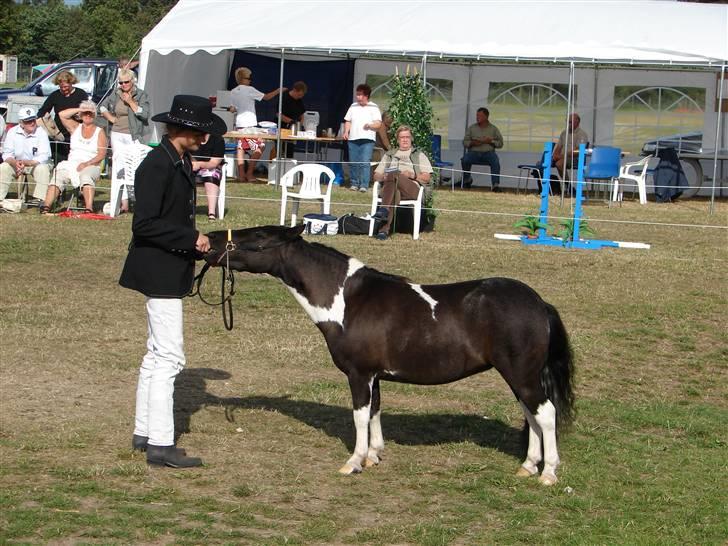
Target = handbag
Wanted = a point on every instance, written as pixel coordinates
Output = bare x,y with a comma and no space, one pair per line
320,224
14,205
48,123
356,225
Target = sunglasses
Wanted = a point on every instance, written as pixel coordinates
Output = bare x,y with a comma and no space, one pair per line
124,82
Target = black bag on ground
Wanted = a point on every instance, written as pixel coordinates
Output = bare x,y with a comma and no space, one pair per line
356,225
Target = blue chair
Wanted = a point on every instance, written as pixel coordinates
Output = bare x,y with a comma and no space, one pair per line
437,161
604,165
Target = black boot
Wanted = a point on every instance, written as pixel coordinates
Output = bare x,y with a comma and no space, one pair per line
170,456
139,443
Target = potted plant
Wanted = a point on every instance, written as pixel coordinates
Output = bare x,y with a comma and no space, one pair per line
410,105
567,229
529,226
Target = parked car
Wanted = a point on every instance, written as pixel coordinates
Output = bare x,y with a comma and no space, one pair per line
95,76
686,142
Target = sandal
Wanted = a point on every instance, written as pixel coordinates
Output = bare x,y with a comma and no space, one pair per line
44,209
211,216
88,211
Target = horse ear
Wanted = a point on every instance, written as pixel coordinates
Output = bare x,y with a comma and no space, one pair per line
296,231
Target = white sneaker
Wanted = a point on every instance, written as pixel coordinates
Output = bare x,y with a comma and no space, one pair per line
363,190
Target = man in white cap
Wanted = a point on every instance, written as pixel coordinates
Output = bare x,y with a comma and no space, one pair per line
26,150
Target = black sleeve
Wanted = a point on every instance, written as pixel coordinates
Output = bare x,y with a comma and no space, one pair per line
218,146
47,105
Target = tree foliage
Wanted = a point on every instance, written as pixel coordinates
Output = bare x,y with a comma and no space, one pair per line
42,31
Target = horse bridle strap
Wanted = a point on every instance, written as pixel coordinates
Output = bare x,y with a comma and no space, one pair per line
227,277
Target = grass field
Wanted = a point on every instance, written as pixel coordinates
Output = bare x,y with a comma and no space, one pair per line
645,461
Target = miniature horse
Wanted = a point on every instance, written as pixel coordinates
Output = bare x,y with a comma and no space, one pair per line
384,327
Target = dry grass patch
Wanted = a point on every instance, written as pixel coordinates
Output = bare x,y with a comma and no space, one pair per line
270,415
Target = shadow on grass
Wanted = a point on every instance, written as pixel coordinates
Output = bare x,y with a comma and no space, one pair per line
337,422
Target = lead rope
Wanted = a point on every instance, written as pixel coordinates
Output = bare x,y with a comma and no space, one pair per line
227,276
230,279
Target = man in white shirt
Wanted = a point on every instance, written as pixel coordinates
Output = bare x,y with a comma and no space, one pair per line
360,130
26,150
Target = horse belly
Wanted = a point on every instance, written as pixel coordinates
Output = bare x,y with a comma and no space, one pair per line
433,366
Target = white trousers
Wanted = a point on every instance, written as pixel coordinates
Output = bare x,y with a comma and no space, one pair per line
118,142
164,359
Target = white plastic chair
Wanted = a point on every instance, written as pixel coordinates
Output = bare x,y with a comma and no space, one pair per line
221,195
132,155
416,204
636,172
310,189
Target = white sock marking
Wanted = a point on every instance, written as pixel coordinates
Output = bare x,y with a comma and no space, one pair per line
335,313
425,296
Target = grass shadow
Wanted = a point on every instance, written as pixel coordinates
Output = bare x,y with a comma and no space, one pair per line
335,421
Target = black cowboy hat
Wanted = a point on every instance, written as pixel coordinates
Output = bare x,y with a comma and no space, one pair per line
193,112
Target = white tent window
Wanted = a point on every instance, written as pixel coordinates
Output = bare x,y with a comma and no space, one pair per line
528,114
646,113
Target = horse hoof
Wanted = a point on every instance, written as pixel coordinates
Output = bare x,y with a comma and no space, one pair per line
524,473
371,461
548,479
348,469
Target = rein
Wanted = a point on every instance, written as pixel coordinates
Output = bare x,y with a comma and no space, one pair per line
227,278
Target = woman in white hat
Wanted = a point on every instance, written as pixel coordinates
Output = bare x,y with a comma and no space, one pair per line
88,149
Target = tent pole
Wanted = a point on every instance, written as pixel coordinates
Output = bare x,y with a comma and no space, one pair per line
717,139
278,132
567,150
424,70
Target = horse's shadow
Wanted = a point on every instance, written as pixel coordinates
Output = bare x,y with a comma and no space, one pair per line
337,422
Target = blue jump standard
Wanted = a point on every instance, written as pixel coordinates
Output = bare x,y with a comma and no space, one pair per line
544,239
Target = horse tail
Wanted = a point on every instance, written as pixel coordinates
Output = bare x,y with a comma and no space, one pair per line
558,374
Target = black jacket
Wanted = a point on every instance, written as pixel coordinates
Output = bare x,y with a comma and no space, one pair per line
161,259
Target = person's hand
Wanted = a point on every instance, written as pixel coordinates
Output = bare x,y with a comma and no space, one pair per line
196,166
19,166
487,140
345,136
284,89
232,109
203,244
81,166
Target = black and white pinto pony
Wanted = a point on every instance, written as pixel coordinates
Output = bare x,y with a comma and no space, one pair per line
383,327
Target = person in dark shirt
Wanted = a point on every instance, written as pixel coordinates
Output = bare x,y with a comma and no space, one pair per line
161,265
207,164
292,109
66,96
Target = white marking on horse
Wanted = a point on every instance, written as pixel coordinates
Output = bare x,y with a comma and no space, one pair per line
335,313
425,296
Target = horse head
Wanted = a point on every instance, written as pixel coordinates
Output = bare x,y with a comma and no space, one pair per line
249,249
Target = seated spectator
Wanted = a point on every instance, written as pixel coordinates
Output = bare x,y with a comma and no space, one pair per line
26,151
207,164
480,142
66,96
382,137
243,99
88,150
402,171
576,136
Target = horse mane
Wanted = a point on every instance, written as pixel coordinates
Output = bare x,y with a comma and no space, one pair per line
331,252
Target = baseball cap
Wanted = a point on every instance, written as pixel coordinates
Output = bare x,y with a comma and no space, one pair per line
27,113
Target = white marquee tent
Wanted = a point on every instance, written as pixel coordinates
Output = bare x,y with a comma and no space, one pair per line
191,49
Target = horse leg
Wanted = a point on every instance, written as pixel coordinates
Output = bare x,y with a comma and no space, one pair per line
376,440
533,455
361,395
546,418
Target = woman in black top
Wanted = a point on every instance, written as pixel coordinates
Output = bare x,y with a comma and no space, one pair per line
207,166
66,96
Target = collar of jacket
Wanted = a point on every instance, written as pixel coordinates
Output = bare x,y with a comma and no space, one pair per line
183,163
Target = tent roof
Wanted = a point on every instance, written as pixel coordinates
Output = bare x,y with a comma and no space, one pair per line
601,31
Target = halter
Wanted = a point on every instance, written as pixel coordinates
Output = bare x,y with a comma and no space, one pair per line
227,277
